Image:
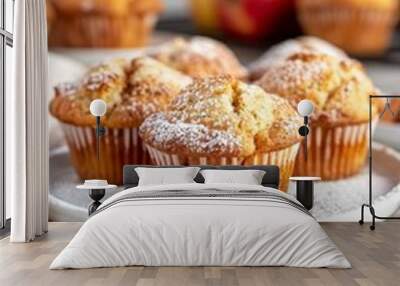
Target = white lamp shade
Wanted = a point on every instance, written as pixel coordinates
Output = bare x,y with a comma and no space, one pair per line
98,107
305,107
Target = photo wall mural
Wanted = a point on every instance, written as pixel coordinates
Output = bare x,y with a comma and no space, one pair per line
217,92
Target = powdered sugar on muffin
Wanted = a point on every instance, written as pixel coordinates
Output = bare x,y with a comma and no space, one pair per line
65,89
338,88
105,81
280,52
178,136
222,116
200,56
132,90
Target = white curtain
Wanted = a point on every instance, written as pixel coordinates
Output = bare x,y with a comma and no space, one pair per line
26,124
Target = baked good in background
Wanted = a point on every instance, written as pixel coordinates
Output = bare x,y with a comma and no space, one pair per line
50,16
132,90
339,89
200,56
103,23
223,121
283,50
360,27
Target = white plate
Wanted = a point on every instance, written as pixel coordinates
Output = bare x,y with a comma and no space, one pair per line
388,133
341,200
334,201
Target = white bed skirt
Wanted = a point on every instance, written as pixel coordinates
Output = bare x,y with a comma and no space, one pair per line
200,232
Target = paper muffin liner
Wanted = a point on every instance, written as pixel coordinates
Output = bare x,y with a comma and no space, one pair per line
284,159
334,152
117,148
346,27
103,31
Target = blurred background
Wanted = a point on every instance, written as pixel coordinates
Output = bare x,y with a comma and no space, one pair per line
255,22
368,30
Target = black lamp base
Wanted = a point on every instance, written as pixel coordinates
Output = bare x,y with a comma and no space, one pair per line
96,195
305,193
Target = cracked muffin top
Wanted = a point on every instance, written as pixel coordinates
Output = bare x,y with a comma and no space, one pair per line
285,49
132,91
222,116
339,88
199,57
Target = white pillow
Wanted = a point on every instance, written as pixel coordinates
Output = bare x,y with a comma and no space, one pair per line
164,176
248,177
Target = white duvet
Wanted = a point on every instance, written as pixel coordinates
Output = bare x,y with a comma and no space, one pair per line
200,231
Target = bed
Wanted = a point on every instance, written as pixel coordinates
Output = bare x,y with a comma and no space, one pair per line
198,224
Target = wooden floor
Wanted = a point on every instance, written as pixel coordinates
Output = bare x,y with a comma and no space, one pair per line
375,257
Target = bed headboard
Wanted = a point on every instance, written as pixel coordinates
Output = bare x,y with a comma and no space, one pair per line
271,177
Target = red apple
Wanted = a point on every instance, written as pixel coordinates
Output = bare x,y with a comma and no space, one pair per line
253,19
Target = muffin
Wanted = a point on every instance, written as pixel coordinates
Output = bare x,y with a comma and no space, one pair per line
339,89
102,23
282,51
223,121
132,91
360,27
199,57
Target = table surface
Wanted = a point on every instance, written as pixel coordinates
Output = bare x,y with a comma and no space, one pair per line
88,187
305,178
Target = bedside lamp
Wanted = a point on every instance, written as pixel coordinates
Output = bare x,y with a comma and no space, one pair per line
98,108
305,185
305,108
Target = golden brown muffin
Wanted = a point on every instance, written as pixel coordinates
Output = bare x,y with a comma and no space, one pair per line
360,27
103,23
340,92
221,120
285,49
132,91
339,89
150,88
200,56
106,81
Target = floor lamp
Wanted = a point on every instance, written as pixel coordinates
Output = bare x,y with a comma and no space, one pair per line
370,202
